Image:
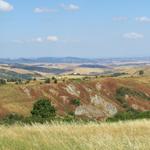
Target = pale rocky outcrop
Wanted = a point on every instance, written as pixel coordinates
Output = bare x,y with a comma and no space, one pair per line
27,92
99,108
98,86
107,107
88,90
89,111
54,92
71,89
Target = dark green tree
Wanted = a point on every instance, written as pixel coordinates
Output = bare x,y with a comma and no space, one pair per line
47,80
43,109
2,81
141,72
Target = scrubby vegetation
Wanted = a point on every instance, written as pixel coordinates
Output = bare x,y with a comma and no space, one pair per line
47,80
43,111
2,82
76,102
123,91
130,115
117,74
141,72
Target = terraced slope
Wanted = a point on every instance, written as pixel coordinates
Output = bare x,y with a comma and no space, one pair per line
99,98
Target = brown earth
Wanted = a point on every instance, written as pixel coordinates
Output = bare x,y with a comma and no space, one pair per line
97,96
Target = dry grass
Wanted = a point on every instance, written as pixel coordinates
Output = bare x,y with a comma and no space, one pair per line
130,135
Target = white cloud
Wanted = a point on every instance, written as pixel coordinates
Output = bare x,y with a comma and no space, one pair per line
143,19
133,35
44,10
120,18
52,38
5,6
70,7
39,40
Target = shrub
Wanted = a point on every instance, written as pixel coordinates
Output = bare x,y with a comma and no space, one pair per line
76,102
19,81
117,74
2,81
69,118
71,113
141,72
12,118
55,81
27,81
130,115
47,80
43,109
53,78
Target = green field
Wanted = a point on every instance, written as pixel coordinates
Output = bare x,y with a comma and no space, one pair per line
130,135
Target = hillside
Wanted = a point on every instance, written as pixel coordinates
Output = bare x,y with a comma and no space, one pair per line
99,98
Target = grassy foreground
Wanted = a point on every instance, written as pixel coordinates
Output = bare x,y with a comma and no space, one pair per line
129,135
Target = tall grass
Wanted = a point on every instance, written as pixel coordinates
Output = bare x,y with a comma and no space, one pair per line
129,135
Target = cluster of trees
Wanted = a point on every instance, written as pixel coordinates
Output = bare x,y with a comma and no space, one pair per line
2,82
53,79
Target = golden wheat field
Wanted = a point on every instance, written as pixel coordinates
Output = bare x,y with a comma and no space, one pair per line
129,135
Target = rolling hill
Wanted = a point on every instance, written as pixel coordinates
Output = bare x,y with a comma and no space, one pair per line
100,98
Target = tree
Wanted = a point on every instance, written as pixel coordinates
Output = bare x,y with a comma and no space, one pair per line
47,80
2,81
43,109
141,72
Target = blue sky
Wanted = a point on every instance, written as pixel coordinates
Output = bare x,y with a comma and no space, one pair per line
80,28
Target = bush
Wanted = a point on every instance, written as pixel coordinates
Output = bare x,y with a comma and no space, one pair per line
55,81
43,109
47,80
117,74
27,81
141,72
19,81
130,115
76,102
2,82
12,118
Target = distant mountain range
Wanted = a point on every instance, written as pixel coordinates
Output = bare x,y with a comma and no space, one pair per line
73,60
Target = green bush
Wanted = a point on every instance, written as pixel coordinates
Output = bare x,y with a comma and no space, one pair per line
55,81
11,119
47,80
141,72
43,109
130,115
2,82
76,102
117,74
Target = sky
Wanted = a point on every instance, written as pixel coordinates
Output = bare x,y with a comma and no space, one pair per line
77,28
